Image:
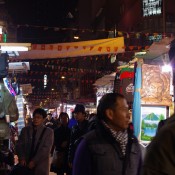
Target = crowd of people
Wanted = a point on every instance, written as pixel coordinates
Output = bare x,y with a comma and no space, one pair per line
98,144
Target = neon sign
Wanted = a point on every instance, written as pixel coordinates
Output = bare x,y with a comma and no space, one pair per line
45,81
152,7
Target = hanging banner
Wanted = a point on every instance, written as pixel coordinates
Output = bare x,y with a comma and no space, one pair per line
74,49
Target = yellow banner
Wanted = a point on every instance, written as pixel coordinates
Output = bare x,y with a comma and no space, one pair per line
74,49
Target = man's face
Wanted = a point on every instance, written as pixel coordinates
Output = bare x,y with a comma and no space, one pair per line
79,116
64,120
38,119
49,117
119,117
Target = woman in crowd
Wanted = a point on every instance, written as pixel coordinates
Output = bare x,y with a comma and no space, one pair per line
61,142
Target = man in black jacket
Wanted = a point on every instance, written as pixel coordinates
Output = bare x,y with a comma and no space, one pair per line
110,149
77,131
160,155
50,122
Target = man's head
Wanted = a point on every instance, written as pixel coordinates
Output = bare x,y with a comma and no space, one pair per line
113,109
49,116
79,112
39,116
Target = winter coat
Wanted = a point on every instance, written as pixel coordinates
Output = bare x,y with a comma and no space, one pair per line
160,156
50,123
61,143
100,154
41,159
77,132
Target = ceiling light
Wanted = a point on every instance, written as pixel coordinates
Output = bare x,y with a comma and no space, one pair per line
140,53
166,68
76,37
1,30
63,77
15,46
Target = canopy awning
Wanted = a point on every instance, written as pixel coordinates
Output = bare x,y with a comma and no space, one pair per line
157,49
74,49
106,80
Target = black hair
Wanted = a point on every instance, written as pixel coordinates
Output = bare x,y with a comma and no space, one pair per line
108,101
40,111
49,114
63,114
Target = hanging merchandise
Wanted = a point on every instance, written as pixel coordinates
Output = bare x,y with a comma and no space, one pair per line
126,83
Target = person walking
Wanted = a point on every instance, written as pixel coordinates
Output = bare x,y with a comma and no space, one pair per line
50,122
111,148
77,131
34,145
61,144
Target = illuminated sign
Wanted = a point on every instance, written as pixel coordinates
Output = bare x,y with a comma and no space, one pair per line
155,38
45,81
152,7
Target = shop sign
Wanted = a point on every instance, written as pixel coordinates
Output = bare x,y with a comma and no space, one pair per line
155,38
17,66
152,7
130,88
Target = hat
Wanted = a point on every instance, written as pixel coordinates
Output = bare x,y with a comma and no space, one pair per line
79,108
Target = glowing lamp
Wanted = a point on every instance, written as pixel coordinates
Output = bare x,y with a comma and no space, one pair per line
15,46
166,68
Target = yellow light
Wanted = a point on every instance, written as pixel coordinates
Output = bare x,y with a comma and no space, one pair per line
63,77
76,37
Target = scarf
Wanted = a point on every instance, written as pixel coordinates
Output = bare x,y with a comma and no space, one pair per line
120,136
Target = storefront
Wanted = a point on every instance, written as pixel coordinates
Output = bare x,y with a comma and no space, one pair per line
104,85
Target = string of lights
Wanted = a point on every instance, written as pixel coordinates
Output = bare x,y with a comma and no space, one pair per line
126,34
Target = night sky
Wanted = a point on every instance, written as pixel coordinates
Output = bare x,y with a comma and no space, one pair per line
44,12
51,13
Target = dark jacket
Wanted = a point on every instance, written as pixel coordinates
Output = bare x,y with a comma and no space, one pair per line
165,122
100,154
61,143
160,156
61,135
50,123
77,132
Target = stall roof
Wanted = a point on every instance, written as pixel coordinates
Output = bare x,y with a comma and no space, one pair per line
105,80
157,49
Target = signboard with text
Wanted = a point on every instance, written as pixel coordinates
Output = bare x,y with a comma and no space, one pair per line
152,7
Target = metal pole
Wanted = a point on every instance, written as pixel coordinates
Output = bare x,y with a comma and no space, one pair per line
164,18
115,31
